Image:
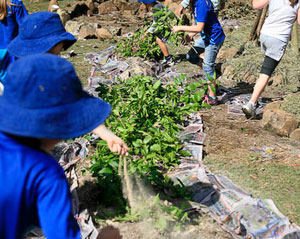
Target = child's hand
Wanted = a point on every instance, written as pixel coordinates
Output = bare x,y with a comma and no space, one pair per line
115,144
176,29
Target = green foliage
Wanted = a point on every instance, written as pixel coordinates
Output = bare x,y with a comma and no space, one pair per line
145,46
147,115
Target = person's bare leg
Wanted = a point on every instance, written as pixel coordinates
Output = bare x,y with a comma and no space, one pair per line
259,87
163,47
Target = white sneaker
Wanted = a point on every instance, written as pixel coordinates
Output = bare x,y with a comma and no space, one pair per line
249,110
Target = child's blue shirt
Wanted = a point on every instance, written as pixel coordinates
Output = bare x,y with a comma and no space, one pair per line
213,31
33,192
9,26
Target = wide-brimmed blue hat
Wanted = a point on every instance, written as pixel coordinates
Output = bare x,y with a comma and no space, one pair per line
38,33
43,98
147,1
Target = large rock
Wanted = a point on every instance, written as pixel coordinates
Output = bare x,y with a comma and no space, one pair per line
87,32
103,34
107,7
295,134
279,122
64,16
273,105
73,27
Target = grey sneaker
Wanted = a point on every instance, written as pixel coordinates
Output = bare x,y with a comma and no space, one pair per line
249,110
168,61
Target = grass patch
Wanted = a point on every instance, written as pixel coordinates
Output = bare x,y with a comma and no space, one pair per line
265,179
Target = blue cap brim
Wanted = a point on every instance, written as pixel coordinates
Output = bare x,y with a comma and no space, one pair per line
59,122
20,48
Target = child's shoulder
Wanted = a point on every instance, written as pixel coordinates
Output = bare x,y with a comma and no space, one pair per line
29,159
43,163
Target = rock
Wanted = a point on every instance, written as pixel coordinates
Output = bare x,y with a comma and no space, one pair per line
295,134
228,53
273,105
123,5
107,7
279,122
64,16
91,7
103,33
73,27
87,32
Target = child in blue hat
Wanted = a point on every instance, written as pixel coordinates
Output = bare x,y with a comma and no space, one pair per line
41,32
212,38
153,5
11,15
46,103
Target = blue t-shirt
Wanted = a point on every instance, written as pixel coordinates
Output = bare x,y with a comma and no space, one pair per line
33,192
213,31
9,26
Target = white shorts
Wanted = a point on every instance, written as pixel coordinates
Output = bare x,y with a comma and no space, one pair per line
272,47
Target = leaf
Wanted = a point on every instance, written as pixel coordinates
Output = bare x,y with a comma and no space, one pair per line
147,139
113,164
156,85
105,171
155,148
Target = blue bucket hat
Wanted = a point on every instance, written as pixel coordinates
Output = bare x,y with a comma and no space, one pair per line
43,98
147,1
38,33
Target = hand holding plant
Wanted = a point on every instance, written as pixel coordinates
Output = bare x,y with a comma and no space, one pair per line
114,143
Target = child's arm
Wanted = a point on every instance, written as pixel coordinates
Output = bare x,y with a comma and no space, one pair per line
258,4
194,29
115,144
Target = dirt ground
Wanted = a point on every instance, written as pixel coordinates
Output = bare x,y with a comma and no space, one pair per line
227,149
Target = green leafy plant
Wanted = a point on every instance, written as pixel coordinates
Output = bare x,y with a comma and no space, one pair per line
148,115
145,46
